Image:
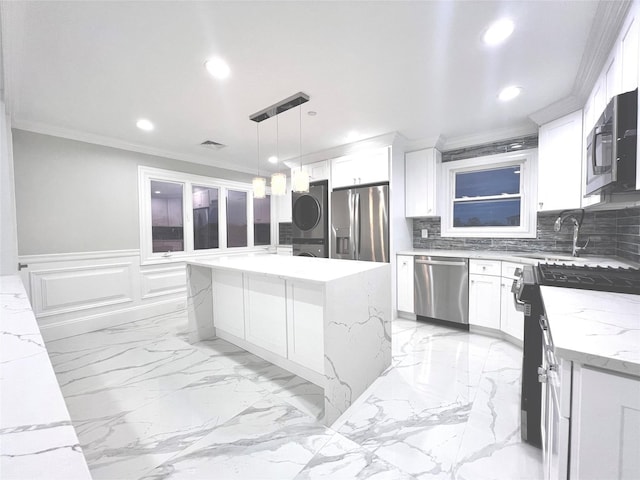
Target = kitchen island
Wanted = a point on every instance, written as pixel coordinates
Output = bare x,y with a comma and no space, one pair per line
326,320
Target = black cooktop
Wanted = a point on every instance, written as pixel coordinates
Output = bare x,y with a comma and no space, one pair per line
604,279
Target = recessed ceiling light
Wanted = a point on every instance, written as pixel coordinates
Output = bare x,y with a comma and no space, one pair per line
352,136
509,93
157,192
144,124
312,113
498,32
273,159
218,68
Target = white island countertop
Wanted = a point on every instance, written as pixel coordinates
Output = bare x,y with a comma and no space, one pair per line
600,329
318,270
37,439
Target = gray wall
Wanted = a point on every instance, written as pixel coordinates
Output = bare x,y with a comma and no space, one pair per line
8,233
79,197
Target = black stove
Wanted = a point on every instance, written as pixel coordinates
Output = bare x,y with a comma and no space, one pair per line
604,279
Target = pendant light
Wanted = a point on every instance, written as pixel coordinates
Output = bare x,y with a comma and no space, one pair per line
300,178
278,180
259,183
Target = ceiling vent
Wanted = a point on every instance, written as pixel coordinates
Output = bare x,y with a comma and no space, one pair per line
212,145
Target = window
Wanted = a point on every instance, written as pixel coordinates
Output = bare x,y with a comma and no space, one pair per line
236,218
206,233
262,221
167,225
490,196
183,214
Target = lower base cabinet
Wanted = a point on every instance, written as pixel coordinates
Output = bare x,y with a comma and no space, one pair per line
605,425
228,302
484,301
266,314
283,317
305,314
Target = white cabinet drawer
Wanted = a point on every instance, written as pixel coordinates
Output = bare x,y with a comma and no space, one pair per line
485,267
509,268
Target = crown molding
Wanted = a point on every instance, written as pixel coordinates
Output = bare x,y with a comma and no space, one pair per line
557,109
609,19
488,136
383,140
46,129
422,143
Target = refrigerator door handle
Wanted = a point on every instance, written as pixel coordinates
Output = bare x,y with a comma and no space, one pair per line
358,225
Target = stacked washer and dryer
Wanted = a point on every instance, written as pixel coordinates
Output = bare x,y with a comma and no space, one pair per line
310,225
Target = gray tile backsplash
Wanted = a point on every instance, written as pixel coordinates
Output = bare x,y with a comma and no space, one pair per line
285,233
610,233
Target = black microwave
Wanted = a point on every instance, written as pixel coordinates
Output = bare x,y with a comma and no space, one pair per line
612,147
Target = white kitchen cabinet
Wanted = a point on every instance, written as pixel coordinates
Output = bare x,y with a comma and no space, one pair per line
228,302
405,283
174,212
305,325
266,313
367,166
560,163
629,52
511,320
316,171
421,178
605,425
484,296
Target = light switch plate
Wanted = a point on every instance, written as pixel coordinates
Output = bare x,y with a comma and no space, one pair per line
425,233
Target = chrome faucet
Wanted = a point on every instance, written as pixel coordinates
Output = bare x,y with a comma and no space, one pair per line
570,214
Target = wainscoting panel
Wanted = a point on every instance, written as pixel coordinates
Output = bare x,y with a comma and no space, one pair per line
158,281
81,292
71,289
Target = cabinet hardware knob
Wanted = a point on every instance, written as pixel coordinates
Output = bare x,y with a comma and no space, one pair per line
540,205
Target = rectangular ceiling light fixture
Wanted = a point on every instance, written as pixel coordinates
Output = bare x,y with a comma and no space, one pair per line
282,106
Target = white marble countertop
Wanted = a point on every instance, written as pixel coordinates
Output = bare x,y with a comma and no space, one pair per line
527,258
600,329
37,439
318,270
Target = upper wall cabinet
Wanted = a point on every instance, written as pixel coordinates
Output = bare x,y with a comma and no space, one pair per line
368,166
421,172
560,163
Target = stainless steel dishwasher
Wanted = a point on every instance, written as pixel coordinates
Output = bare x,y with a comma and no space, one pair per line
441,289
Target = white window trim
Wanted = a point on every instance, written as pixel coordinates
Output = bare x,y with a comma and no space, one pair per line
527,160
146,174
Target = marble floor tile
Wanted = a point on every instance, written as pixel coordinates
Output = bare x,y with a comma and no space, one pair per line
269,440
129,445
342,458
147,404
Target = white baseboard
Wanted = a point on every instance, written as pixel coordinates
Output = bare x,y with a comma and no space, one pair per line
91,323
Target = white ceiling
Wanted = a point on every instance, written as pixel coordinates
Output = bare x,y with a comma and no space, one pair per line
89,70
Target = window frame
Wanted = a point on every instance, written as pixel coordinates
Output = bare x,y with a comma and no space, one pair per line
527,161
188,181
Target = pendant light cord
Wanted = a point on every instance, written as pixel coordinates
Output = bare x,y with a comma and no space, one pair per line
300,139
258,137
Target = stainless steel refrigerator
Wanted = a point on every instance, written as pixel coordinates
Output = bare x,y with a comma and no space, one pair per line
360,223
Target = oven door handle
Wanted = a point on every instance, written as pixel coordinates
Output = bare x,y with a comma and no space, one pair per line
519,305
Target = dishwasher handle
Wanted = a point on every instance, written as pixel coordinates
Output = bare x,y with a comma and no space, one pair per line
441,262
